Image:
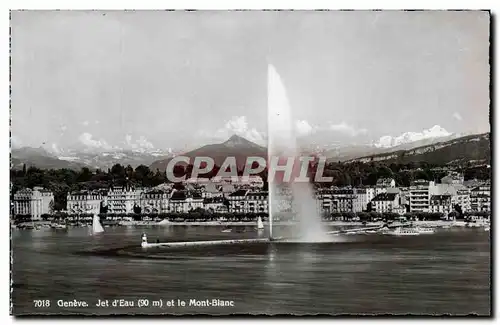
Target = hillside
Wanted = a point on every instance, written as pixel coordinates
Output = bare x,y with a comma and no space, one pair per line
234,147
40,158
474,148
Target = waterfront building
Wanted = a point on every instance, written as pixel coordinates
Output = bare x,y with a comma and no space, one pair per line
324,198
342,200
461,197
184,201
34,202
85,201
122,199
480,198
364,196
215,204
257,202
420,193
154,201
237,201
441,204
404,193
387,202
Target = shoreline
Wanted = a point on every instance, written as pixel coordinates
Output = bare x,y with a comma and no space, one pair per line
438,223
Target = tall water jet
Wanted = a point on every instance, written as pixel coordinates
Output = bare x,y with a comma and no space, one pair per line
297,197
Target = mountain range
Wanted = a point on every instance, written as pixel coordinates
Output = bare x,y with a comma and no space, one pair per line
442,149
235,146
472,148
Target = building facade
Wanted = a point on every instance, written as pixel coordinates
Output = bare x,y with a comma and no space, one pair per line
33,202
184,202
238,201
420,193
122,200
85,202
257,202
386,202
480,198
441,204
154,201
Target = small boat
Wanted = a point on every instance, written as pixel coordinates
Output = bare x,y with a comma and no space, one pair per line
227,230
404,232
260,224
487,228
425,230
96,225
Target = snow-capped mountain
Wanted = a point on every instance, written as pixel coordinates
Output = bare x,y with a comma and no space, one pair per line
434,132
346,150
86,156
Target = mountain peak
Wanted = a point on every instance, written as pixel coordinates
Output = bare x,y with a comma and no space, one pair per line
237,141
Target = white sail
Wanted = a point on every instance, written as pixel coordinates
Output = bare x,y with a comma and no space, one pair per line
96,225
260,224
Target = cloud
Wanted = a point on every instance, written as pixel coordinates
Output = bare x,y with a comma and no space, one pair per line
347,129
87,139
85,123
238,125
457,116
388,141
138,144
15,142
303,127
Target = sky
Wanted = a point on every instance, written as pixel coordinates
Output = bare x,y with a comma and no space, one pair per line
160,79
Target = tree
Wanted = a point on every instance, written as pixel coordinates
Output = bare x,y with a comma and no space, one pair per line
137,209
458,209
51,207
103,209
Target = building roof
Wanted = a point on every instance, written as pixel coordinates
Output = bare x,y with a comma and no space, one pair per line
85,192
385,197
213,200
442,197
238,193
255,194
178,196
155,191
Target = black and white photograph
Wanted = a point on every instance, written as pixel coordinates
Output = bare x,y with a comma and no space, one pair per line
250,162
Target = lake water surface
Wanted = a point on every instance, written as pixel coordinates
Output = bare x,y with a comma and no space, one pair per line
447,272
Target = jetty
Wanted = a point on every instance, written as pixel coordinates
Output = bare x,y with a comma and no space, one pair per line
145,244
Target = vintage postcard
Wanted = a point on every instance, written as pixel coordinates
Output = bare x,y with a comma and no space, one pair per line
250,163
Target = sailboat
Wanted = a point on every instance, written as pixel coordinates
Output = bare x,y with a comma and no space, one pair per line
96,225
260,224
